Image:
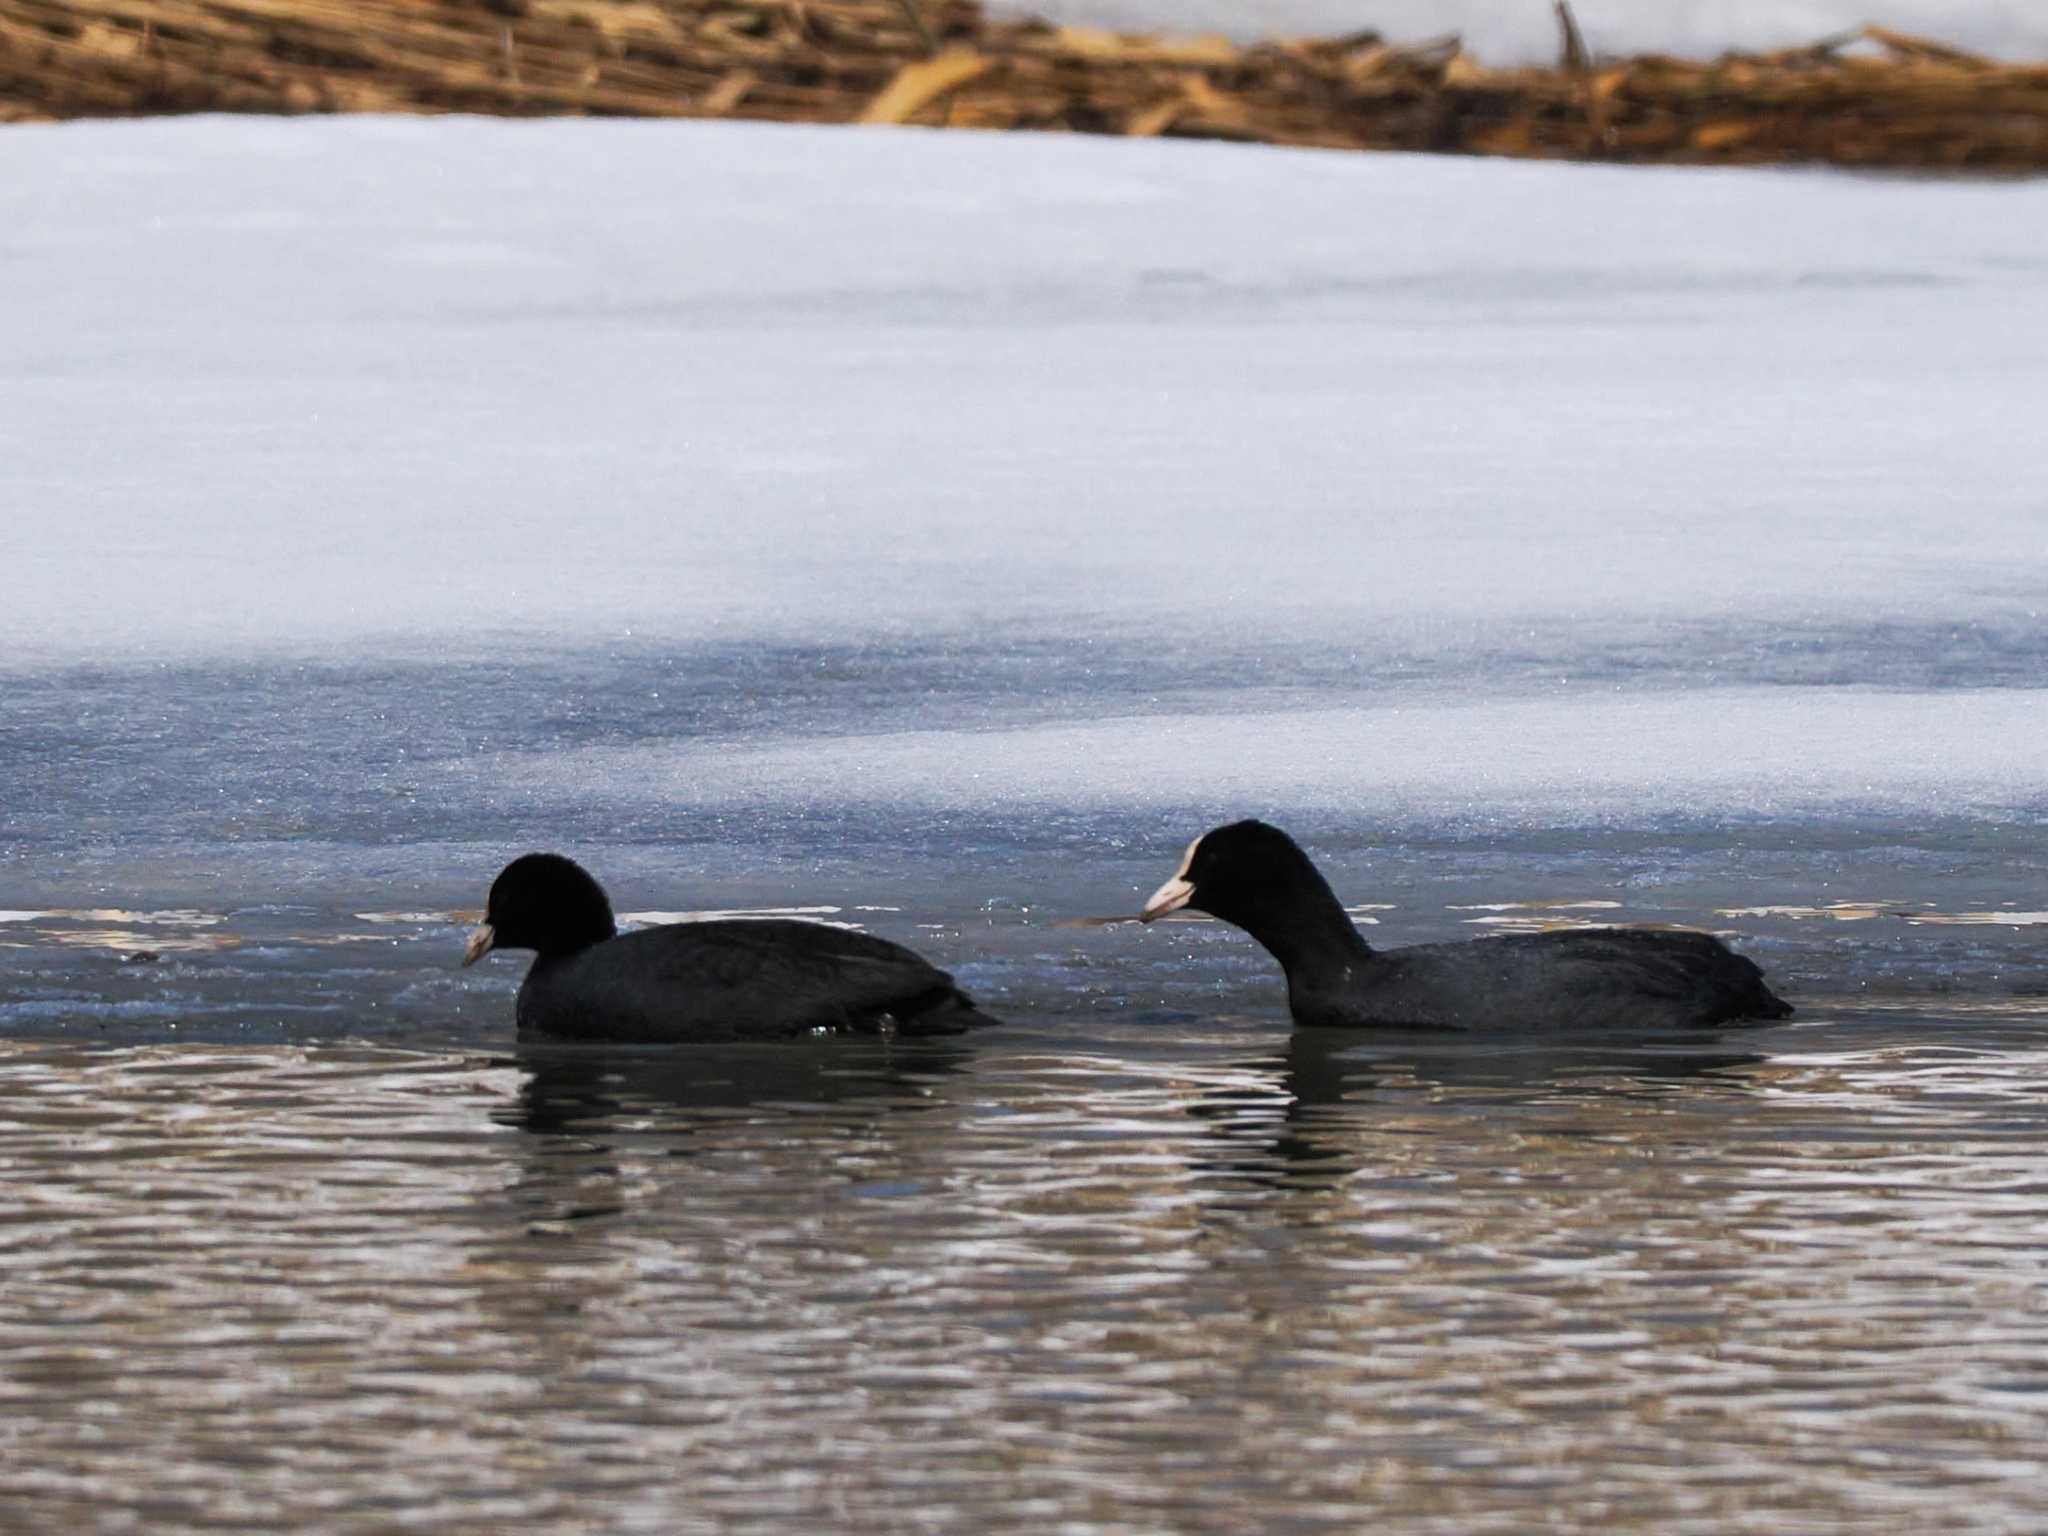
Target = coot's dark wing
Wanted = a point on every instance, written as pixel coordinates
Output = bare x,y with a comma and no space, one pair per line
1680,965
810,967
1596,978
741,980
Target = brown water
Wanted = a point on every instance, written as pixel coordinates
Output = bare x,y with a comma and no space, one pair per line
1112,1278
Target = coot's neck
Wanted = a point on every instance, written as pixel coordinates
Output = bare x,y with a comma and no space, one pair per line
573,939
1308,932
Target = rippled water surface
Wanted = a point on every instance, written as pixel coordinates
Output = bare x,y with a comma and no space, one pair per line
293,1237
1162,1274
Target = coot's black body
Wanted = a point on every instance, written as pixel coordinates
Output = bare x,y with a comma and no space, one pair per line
1256,877
697,982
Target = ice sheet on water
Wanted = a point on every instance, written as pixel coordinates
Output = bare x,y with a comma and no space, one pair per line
1585,758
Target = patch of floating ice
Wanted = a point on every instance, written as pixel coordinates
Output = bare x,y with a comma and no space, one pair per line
417,917
820,915
1837,911
129,939
1185,915
1972,919
1533,906
179,918
1535,922
714,914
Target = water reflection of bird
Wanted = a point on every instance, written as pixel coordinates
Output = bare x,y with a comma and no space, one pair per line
587,1089
735,980
1312,1113
1256,877
592,1111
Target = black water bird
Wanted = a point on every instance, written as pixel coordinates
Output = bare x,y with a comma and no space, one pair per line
1257,877
739,979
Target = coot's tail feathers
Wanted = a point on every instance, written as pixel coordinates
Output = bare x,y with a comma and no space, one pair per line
1701,978
947,1012
1763,1003
1754,999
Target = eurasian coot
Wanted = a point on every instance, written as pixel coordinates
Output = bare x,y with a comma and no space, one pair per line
1256,877
738,979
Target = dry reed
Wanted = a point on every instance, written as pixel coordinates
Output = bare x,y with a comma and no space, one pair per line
1870,98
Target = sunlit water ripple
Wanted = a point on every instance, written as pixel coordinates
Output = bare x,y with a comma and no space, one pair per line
1163,1274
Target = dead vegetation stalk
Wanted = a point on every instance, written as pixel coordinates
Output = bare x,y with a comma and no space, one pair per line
1874,97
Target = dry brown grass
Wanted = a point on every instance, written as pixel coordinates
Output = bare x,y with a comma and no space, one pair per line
1873,98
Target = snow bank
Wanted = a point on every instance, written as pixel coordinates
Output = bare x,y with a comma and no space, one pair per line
1523,31
317,385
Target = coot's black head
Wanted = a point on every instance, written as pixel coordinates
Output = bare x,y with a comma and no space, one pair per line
1257,877
543,902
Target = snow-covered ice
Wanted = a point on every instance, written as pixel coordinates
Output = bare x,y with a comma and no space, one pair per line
1524,31
788,517
275,386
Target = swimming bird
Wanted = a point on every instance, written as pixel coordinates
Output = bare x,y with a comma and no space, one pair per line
738,979
1257,878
